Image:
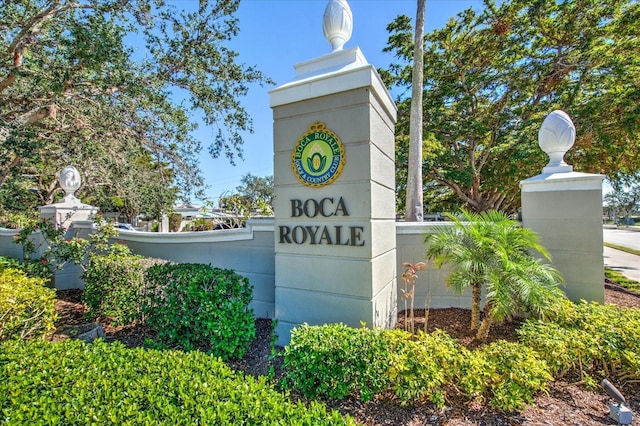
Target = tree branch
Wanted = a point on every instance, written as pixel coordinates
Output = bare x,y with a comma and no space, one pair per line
454,187
17,62
16,47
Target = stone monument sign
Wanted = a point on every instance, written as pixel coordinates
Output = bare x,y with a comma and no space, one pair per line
334,176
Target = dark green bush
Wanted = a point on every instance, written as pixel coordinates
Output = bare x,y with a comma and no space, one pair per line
27,307
336,360
589,339
198,306
114,285
73,383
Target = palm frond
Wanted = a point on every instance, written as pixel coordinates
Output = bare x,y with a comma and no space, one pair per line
492,251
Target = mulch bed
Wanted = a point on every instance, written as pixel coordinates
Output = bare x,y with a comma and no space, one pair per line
566,403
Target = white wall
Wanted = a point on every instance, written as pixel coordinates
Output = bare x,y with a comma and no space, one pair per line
430,290
8,248
250,252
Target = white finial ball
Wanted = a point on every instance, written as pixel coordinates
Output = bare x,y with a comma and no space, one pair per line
556,136
69,181
337,23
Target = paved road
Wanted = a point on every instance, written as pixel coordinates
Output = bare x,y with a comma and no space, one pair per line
625,263
622,237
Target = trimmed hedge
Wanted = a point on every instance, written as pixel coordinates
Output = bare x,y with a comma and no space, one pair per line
193,305
27,307
335,361
73,383
115,285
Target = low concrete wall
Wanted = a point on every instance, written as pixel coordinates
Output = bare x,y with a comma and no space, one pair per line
250,252
8,248
430,290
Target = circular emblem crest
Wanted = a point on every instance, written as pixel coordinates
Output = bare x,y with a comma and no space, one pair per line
318,157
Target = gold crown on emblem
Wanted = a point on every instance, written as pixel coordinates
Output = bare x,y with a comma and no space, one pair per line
317,126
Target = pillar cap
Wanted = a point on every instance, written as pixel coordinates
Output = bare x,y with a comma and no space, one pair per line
563,181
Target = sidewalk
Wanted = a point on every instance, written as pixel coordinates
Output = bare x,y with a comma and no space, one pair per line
626,263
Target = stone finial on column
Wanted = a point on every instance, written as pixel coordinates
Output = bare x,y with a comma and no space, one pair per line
337,23
556,136
70,182
70,210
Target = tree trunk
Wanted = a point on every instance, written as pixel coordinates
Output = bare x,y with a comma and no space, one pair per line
476,296
483,331
414,204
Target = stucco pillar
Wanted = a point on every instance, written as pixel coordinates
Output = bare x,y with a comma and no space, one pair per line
565,208
334,179
76,218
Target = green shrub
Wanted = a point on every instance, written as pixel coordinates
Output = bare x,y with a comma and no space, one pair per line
198,306
27,307
336,360
175,220
36,268
516,374
418,368
114,285
506,374
588,339
473,375
9,263
73,383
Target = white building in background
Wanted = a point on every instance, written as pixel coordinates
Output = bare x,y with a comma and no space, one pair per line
187,210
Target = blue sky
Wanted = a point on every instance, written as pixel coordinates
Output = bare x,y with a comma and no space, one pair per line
275,35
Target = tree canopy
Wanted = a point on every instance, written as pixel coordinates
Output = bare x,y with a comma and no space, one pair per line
491,77
622,202
113,87
254,195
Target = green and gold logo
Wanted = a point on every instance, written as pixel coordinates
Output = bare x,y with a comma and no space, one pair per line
318,157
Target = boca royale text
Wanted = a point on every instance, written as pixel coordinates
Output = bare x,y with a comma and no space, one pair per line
327,207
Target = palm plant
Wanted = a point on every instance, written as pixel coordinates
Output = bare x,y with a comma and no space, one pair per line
488,250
